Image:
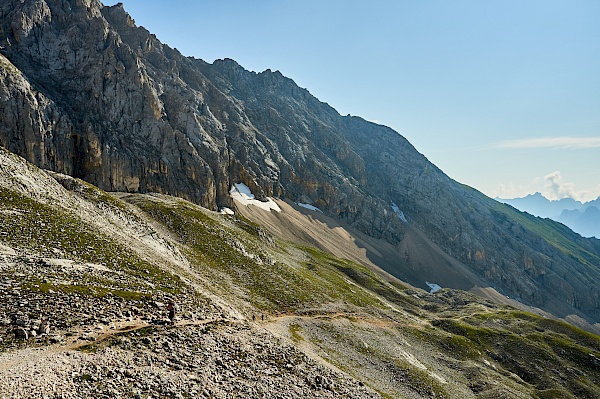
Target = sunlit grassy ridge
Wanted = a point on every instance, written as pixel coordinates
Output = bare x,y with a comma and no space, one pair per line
32,226
273,275
543,353
555,234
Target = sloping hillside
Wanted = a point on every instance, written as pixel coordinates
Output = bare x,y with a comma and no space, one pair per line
87,274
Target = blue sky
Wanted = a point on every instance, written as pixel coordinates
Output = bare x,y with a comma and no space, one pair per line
502,95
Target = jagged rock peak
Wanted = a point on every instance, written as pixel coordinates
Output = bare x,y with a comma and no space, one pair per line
118,16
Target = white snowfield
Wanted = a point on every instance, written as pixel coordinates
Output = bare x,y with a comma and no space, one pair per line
226,211
399,213
309,206
242,194
434,287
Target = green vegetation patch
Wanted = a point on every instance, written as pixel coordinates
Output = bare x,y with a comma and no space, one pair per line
29,225
100,197
295,333
236,252
556,234
517,342
365,278
421,381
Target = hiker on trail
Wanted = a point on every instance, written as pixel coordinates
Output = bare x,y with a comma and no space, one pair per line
171,308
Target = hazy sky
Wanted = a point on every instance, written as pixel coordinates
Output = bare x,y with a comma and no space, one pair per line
502,95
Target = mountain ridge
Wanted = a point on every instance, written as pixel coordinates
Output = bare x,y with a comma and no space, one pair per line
581,217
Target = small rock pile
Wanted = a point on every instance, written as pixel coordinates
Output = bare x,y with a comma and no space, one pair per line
23,327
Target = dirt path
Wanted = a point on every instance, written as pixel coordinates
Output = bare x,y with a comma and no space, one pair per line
378,322
76,341
127,326
279,317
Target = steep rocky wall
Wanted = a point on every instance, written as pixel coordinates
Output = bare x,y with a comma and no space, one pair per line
113,103
32,125
145,118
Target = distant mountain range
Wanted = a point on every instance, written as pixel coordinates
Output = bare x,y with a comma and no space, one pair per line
581,217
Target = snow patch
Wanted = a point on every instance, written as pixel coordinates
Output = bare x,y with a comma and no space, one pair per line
309,206
399,213
226,211
434,287
242,194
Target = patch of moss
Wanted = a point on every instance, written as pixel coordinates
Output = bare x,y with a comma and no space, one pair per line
248,226
567,349
89,348
421,381
98,196
459,347
556,393
27,224
145,331
295,333
83,377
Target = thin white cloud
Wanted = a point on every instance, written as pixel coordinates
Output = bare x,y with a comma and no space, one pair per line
553,143
555,188
512,190
551,186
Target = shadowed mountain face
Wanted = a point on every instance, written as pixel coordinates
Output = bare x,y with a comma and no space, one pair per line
86,92
586,222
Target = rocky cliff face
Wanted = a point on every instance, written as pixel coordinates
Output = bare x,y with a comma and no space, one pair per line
86,92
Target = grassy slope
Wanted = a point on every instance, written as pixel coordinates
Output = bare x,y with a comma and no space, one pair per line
554,233
32,226
239,258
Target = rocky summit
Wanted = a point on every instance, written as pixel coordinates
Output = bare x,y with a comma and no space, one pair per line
132,176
